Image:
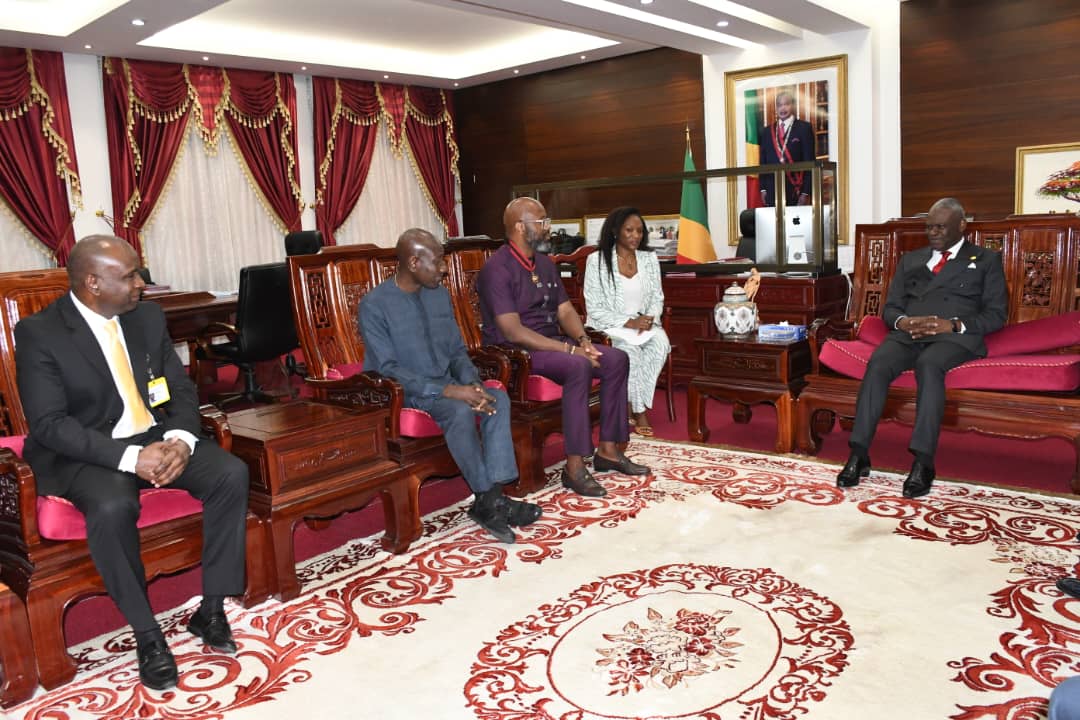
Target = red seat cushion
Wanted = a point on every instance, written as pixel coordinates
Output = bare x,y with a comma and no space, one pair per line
1033,336
412,422
1040,373
58,519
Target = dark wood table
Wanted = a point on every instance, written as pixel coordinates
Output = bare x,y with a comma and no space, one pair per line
310,460
746,371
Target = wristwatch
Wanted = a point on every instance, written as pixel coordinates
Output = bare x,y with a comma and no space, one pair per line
957,326
584,338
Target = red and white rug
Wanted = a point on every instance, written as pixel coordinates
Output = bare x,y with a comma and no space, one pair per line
728,586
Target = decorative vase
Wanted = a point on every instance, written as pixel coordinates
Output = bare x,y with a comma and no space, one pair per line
735,316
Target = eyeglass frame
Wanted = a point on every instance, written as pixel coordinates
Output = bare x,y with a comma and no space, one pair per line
545,223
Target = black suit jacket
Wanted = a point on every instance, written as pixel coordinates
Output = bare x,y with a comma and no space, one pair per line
971,286
69,397
801,147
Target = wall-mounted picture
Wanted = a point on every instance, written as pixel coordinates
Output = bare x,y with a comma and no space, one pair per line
1048,178
663,233
796,112
574,226
593,224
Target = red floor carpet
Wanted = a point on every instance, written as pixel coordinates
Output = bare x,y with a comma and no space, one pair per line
1044,465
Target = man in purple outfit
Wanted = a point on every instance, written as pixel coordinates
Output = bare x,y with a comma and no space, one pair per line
523,303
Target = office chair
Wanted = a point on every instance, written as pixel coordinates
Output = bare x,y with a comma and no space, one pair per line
303,242
264,329
747,247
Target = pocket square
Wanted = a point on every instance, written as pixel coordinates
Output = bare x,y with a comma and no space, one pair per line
971,266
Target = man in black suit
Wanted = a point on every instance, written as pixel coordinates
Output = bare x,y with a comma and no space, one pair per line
788,140
111,411
942,300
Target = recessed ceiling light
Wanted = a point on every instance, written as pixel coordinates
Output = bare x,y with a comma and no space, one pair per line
582,57
456,84
646,2
303,67
722,23
205,58
88,46
385,77
516,72
137,22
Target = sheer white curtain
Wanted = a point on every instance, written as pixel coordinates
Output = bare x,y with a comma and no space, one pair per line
19,249
391,202
210,222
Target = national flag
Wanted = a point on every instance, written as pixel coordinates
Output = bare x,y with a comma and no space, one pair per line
753,147
695,243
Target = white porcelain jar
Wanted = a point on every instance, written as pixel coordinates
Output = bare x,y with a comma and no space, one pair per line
735,316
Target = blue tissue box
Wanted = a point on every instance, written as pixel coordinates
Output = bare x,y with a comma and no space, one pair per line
781,333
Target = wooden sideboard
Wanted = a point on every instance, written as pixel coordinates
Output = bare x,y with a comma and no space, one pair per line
799,301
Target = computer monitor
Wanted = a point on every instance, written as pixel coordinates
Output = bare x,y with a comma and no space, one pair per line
799,234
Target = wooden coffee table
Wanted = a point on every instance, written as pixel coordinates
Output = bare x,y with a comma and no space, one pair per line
745,371
310,460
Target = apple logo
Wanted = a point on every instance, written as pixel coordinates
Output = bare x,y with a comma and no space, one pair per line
796,220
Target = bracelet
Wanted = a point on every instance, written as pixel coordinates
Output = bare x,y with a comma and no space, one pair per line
569,350
584,338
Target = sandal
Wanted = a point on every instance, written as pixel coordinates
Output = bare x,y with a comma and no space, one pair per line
644,431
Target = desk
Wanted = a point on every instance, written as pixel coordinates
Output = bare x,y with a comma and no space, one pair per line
745,372
313,460
188,313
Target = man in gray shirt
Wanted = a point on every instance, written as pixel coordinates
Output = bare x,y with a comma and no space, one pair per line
411,335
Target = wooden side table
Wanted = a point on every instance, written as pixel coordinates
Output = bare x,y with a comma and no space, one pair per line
745,372
308,459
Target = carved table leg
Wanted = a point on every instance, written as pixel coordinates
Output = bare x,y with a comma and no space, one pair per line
695,414
281,533
785,423
806,436
401,513
16,651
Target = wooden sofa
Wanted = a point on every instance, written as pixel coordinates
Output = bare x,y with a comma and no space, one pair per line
48,574
1041,258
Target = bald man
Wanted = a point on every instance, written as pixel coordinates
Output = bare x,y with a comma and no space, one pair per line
523,303
112,412
411,335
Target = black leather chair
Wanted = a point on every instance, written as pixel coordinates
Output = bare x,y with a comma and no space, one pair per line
747,247
264,329
303,242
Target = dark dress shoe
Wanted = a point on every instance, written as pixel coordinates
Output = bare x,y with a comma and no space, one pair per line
623,465
584,484
918,480
213,630
492,516
157,667
855,468
522,513
1070,586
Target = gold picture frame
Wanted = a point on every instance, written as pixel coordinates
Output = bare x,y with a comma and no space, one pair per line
572,226
662,229
1037,167
820,90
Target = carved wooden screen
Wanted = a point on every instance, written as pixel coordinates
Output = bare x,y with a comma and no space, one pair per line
464,266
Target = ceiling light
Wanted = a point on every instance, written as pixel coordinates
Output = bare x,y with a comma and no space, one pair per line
303,67
516,72
646,2
385,77
722,23
456,84
138,22
582,57
205,58
88,46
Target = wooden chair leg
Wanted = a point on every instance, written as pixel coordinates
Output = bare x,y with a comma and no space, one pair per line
17,671
670,391
45,611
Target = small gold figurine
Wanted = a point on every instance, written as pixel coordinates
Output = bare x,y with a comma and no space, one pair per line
751,284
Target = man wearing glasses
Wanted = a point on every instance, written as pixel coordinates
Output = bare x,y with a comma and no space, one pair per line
942,300
523,303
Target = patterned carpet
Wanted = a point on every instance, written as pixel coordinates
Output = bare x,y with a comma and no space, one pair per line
727,586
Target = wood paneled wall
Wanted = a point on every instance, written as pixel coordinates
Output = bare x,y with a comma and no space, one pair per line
978,78
623,116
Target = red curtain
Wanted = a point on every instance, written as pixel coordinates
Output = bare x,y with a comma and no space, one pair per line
148,106
430,132
346,118
37,151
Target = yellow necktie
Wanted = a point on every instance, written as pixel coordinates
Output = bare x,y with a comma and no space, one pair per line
141,419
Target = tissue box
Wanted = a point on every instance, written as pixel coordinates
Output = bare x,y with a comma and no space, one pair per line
781,333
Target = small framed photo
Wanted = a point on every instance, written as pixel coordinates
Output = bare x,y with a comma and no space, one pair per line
662,229
593,225
570,227
1048,178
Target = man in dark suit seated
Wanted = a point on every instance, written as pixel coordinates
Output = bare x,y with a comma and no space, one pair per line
942,300
111,411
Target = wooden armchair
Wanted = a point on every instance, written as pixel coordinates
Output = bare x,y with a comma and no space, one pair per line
18,677
533,420
50,574
327,288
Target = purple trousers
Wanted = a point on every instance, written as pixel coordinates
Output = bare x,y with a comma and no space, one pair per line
576,374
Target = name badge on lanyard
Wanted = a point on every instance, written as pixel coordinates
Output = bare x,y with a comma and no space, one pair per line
157,388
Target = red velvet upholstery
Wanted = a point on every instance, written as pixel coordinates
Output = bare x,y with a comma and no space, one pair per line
412,422
13,442
540,389
1049,333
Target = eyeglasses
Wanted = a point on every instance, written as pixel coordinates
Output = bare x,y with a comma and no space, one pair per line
938,227
545,223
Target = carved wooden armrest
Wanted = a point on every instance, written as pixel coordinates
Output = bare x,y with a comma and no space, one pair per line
824,329
520,369
364,389
492,364
206,337
18,497
597,337
216,423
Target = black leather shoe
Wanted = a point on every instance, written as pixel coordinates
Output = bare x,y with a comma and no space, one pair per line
1070,586
854,469
157,667
492,516
918,480
213,630
584,484
522,513
623,465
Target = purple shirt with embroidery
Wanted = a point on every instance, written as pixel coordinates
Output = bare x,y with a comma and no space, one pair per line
505,286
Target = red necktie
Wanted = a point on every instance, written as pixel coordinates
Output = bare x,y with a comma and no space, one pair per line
941,263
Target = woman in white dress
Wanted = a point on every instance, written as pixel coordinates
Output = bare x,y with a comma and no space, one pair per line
624,299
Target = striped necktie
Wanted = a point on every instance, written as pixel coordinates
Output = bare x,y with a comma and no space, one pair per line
141,419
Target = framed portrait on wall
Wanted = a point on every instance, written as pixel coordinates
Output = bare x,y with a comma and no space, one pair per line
814,94
570,227
1048,178
593,225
